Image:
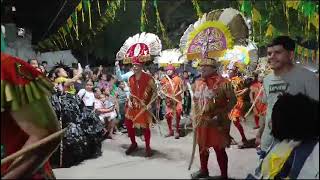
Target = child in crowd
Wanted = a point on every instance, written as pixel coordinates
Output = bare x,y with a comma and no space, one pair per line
97,93
107,113
122,95
87,96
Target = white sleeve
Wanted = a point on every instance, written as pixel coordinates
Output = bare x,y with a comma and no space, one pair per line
118,73
97,105
81,93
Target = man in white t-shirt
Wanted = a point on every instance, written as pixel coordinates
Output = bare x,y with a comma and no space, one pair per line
86,95
286,77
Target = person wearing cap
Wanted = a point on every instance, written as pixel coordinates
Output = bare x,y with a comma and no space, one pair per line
213,99
172,87
237,112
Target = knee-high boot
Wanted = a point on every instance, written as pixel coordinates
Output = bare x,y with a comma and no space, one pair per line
222,159
131,132
147,137
169,122
204,157
240,129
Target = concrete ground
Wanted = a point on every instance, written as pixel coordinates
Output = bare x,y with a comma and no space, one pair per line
170,160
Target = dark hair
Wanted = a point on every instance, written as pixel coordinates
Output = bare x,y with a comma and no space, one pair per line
56,71
51,73
100,75
44,62
29,60
109,77
89,80
295,117
286,42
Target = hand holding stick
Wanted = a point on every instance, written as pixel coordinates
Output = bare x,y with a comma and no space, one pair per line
32,146
254,102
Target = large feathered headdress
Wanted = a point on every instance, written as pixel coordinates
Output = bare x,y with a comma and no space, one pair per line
241,57
139,48
170,56
209,37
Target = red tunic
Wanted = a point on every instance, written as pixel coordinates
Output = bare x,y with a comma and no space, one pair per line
20,85
259,108
213,97
172,90
237,111
143,89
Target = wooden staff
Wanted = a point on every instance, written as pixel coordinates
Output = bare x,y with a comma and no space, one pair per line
194,143
195,125
32,146
254,102
167,95
144,108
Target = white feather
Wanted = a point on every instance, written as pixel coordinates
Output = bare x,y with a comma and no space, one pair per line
151,40
227,15
184,38
170,56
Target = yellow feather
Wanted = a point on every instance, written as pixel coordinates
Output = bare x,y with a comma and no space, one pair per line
215,24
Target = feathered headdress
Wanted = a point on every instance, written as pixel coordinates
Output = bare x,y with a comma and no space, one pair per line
209,37
170,56
139,48
240,57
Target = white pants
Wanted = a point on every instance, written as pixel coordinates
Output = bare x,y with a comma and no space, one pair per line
110,115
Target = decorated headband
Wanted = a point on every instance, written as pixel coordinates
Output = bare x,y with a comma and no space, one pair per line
139,48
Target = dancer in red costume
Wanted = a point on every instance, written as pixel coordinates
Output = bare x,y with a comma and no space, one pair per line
237,112
173,88
213,99
26,117
142,88
137,50
260,108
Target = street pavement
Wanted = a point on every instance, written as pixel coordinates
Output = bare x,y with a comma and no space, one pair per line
170,160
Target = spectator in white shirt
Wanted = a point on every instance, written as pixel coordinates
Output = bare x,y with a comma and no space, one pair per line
87,96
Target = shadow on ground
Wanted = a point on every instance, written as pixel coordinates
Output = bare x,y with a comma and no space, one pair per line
140,152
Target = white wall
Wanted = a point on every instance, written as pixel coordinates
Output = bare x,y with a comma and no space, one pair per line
56,56
22,48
